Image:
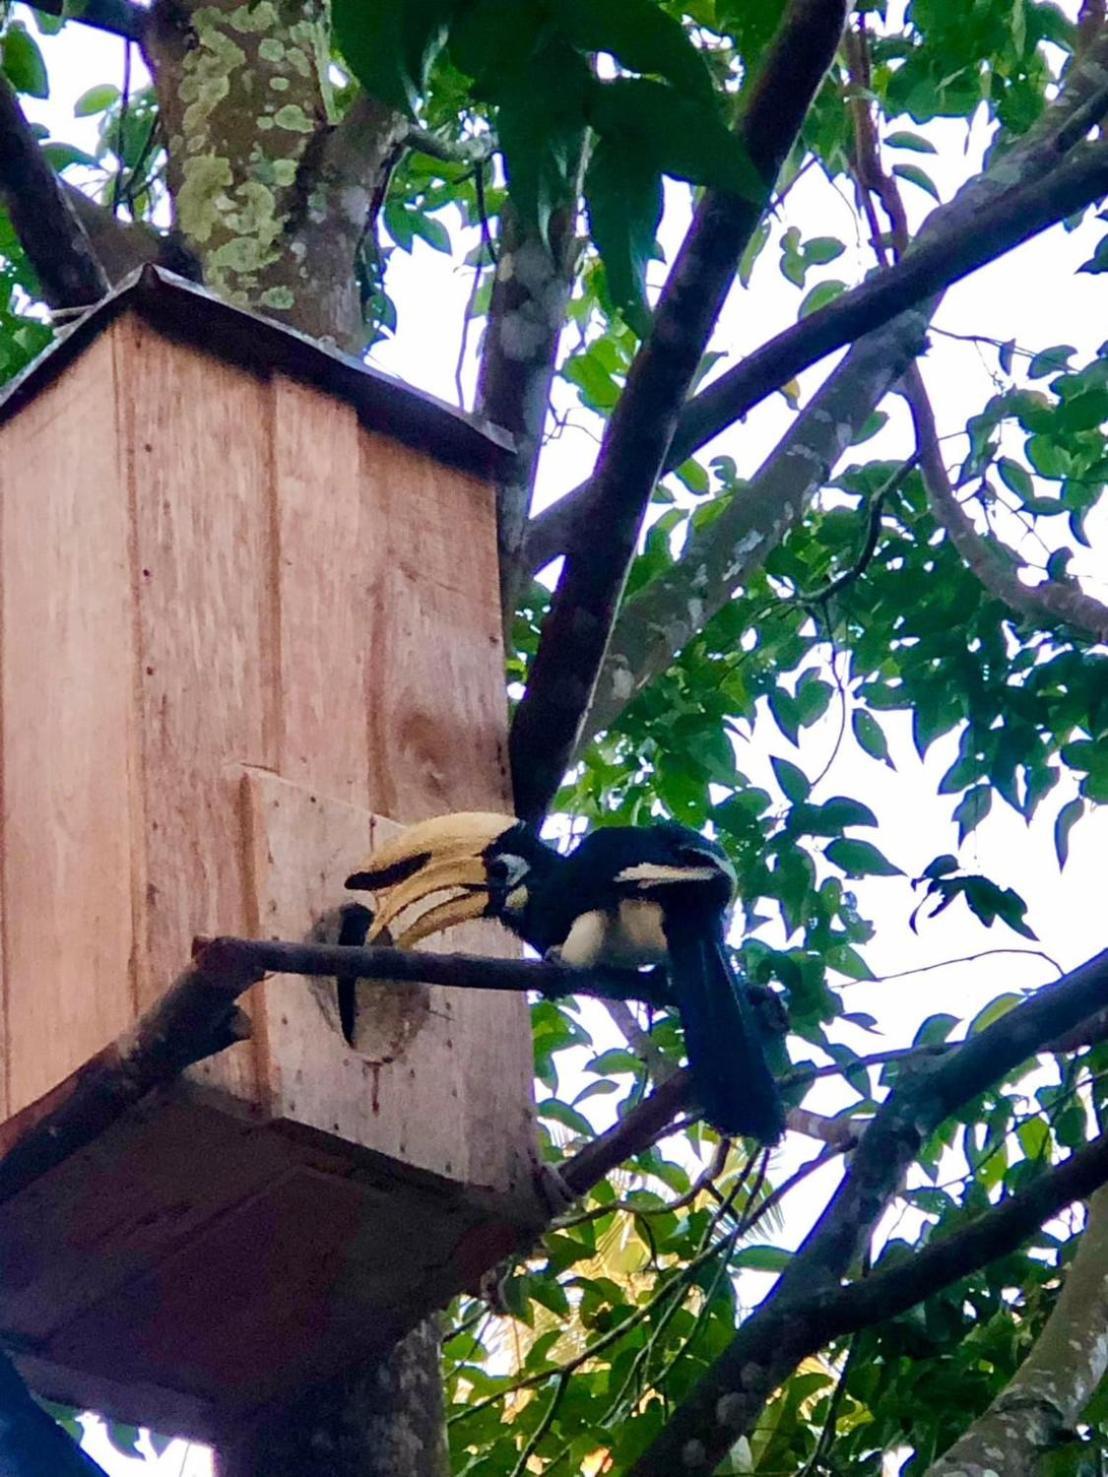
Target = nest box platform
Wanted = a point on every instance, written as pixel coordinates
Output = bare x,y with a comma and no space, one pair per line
249,620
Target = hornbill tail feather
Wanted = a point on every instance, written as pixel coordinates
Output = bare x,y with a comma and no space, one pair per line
731,1078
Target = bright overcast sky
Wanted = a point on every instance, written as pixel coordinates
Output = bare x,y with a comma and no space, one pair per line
1006,300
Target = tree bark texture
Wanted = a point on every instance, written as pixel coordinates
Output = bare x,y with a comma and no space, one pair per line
269,193
385,1421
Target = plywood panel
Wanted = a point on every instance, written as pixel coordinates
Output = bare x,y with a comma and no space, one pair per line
325,549
206,580
436,1067
134,1196
67,732
436,706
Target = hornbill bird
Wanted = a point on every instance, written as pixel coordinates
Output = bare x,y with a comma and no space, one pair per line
624,897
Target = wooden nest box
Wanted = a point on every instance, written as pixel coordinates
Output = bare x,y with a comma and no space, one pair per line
249,622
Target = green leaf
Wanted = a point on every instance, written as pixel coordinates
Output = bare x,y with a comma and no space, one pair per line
972,810
993,1012
870,736
540,119
623,195
684,136
763,1258
123,1437
61,156
793,781
903,139
556,1111
22,61
390,45
1015,477
813,697
917,176
822,249
935,1030
1068,817
1034,1138
1098,262
842,811
1050,361
820,295
96,100
846,960
641,36
860,859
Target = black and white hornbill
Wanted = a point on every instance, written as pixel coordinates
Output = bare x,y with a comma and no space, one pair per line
624,897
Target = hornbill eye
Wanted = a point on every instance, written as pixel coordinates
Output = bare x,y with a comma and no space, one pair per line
506,870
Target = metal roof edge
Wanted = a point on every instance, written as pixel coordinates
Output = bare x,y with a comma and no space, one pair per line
184,310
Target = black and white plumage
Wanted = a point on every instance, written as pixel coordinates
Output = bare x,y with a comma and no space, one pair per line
624,897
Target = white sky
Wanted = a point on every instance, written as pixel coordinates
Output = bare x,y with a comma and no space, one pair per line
1032,295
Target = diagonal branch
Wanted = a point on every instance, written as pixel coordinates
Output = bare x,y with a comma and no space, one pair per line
673,608
964,223
982,237
789,1324
119,17
641,427
998,568
53,238
664,616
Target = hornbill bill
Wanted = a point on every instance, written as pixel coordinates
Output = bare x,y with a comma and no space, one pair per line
624,897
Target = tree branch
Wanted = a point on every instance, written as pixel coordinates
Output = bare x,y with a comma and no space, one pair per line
997,567
638,435
661,618
461,971
792,1322
120,17
994,1233
1044,1399
53,238
121,247
982,222
526,315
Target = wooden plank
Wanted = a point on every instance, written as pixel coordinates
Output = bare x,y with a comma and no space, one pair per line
434,1067
208,631
438,724
68,674
437,711
136,1195
324,548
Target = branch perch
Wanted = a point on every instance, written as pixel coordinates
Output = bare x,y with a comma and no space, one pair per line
56,244
464,971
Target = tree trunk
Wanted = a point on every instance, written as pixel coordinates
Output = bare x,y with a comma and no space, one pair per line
384,1421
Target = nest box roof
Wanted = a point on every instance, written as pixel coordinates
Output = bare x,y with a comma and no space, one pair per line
180,309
